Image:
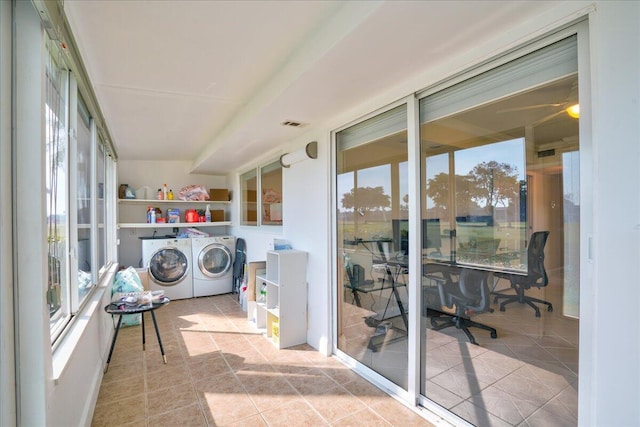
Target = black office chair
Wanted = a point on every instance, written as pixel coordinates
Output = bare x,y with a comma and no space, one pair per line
356,282
470,295
536,276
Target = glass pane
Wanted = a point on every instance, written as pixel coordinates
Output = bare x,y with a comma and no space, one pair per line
436,224
372,240
84,194
249,201
489,230
271,183
502,181
56,163
101,206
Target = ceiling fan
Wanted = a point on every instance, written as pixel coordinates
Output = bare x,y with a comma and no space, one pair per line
570,106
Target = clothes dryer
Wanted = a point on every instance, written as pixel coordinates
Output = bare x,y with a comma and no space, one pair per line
213,265
169,265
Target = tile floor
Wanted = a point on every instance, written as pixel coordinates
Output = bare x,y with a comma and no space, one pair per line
528,376
221,372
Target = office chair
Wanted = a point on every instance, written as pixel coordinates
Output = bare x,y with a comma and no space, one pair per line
470,295
356,282
536,276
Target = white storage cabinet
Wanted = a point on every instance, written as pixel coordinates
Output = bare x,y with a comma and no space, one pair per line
286,302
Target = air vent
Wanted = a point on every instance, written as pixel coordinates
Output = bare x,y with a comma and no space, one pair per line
292,123
547,153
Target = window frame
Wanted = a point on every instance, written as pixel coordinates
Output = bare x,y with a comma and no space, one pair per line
72,303
257,174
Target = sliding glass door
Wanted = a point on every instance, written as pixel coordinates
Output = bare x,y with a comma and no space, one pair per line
372,236
497,216
500,181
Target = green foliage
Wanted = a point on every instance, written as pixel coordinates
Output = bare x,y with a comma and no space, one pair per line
366,199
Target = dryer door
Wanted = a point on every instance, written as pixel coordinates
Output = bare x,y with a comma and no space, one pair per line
215,260
168,266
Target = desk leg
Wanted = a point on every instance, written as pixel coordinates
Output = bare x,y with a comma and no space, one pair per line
356,298
401,307
113,343
155,325
143,338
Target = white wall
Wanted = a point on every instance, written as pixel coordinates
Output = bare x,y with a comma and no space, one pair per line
610,335
305,209
609,326
139,173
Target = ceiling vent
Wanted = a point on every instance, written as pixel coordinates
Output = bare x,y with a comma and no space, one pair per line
291,123
547,153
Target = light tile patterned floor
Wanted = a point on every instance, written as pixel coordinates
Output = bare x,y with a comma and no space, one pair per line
221,372
528,376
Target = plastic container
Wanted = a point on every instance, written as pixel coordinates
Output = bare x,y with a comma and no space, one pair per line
262,297
207,215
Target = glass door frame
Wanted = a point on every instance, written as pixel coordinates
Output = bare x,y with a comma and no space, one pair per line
412,395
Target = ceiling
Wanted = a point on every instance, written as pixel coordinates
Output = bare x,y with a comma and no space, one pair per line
210,82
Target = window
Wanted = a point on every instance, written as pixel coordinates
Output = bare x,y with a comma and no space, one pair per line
84,169
57,151
267,182
77,163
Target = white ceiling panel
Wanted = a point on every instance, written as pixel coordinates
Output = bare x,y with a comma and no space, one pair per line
211,81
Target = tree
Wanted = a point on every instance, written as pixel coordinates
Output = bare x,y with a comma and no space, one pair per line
366,199
494,183
487,185
439,187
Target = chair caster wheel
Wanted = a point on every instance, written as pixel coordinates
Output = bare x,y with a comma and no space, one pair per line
537,314
433,323
494,335
549,309
503,309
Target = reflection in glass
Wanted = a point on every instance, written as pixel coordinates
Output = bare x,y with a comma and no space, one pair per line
84,193
271,184
372,205
56,163
493,175
248,189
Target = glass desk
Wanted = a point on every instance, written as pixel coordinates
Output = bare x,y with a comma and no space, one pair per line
119,309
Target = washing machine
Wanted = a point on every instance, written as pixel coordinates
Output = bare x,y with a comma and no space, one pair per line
213,265
169,263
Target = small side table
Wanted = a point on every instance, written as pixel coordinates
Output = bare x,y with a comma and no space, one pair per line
120,309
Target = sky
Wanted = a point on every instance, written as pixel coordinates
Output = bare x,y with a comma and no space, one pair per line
511,152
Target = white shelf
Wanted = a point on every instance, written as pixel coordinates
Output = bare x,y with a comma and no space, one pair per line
274,311
285,279
172,224
182,202
176,202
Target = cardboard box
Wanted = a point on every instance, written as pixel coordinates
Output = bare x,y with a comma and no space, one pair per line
217,215
255,268
219,194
